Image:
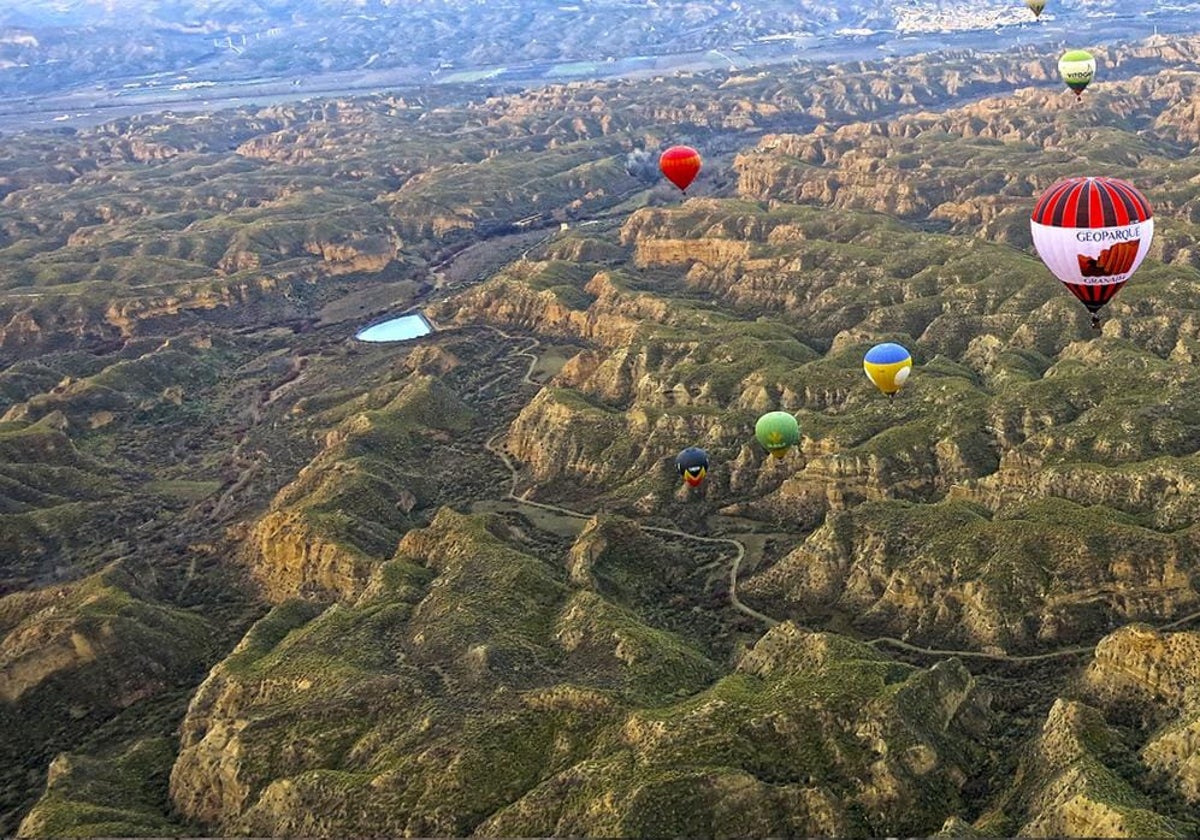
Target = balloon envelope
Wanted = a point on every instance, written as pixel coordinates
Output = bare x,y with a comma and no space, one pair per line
1077,67
1036,6
1092,233
680,164
692,464
888,366
777,431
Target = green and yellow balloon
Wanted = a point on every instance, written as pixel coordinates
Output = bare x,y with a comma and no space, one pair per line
1077,68
1036,6
778,432
888,366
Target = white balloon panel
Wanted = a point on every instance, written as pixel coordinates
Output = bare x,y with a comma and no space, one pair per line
1093,256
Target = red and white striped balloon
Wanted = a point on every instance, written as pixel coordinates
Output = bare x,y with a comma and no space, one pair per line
1092,233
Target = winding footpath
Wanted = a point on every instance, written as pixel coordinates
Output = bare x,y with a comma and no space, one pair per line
739,548
978,654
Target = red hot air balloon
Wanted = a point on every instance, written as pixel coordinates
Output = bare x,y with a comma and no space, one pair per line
680,164
1092,233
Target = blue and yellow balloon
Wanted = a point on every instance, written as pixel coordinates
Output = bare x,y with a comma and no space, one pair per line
888,366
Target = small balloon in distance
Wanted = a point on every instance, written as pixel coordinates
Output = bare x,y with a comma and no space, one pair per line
680,165
1077,68
777,432
692,465
888,366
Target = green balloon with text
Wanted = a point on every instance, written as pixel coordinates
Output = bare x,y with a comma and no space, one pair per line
1077,68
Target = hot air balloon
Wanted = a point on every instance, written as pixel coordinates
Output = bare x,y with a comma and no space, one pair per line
777,431
1092,233
680,164
888,366
1077,67
692,465
1036,6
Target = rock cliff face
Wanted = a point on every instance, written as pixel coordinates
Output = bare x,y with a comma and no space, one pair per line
210,744
612,318
291,557
346,510
73,655
121,794
562,436
1157,674
613,409
1066,788
805,802
819,94
102,621
1085,774
366,255
29,331
838,275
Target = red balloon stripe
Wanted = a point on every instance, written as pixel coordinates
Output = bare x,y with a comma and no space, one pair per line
1091,203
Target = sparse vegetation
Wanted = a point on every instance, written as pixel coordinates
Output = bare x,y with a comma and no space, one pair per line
200,474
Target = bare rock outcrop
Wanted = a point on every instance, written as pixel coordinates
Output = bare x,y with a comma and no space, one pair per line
1066,790
1159,674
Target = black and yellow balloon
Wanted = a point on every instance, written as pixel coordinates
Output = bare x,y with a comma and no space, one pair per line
778,432
692,465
